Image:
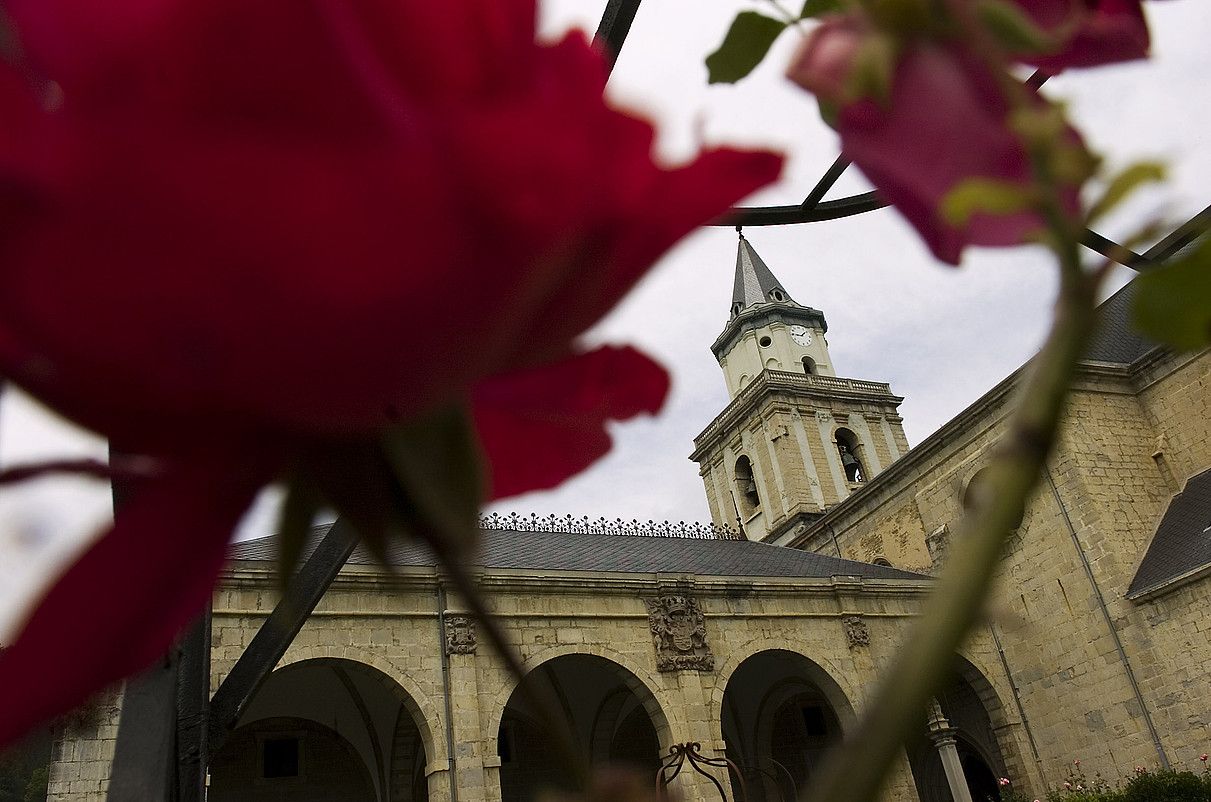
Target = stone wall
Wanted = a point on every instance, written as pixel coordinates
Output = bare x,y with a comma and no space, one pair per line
846,629
1112,682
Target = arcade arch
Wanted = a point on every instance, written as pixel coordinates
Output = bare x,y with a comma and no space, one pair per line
325,729
613,717
780,712
973,712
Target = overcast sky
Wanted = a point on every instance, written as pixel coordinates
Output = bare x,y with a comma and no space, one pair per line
940,336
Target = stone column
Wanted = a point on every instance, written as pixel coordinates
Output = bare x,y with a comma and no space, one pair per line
471,746
942,736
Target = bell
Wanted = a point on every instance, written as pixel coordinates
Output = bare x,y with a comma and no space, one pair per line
848,459
750,486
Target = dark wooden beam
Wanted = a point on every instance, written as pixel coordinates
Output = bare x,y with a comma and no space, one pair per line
615,25
276,634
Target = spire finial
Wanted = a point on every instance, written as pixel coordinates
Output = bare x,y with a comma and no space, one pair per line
740,231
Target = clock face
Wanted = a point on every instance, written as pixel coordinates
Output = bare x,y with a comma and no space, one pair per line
801,335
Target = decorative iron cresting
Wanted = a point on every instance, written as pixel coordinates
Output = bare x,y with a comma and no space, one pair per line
679,754
584,525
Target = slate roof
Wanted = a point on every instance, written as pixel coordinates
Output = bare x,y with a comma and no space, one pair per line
548,551
1183,539
754,280
1116,340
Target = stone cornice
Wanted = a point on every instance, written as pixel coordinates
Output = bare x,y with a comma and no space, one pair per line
798,385
581,583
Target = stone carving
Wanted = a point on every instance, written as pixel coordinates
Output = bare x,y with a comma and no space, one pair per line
937,542
679,634
460,634
856,632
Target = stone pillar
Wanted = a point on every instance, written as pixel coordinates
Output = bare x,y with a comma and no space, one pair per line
942,736
471,744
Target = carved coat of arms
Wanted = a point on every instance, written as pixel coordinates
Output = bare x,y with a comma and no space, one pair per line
460,634
679,634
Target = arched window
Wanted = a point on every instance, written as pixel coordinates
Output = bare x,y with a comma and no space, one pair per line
973,488
809,366
746,487
847,447
883,561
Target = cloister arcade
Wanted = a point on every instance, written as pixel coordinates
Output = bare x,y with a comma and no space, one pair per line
337,729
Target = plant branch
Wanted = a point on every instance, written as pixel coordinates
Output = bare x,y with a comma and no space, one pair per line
856,770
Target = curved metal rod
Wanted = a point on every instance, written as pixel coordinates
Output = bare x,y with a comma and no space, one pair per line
789,215
790,777
676,761
773,778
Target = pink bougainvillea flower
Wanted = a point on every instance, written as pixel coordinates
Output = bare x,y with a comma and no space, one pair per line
944,120
1091,32
231,230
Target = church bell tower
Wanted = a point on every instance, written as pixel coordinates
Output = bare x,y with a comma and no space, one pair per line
796,438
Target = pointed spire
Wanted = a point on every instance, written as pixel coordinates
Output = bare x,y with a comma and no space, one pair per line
755,284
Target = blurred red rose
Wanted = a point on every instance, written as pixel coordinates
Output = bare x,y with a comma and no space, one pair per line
229,228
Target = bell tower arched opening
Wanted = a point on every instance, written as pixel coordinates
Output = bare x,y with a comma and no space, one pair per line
746,487
849,447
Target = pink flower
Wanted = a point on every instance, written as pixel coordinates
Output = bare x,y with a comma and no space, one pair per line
1076,762
945,120
1092,32
1067,785
1003,781
1203,757
1140,770
247,238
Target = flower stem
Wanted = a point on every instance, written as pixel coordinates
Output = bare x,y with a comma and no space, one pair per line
857,768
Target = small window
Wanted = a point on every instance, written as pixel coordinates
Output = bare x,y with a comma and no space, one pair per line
777,295
883,561
815,722
280,758
765,342
809,366
973,485
737,309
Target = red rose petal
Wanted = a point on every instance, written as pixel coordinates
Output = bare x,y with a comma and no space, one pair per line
120,606
540,426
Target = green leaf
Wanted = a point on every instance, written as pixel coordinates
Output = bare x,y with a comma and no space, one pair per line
1123,184
439,467
743,48
818,8
303,500
1173,303
1012,28
984,196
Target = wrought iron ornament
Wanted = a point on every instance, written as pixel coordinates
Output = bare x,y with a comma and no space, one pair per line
671,766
